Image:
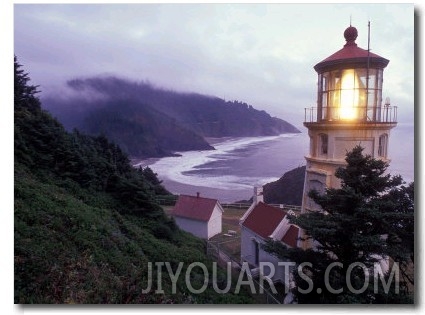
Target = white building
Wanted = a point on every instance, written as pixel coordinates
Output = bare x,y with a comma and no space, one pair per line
198,215
349,112
262,222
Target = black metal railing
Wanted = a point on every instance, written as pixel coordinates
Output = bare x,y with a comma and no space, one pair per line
385,114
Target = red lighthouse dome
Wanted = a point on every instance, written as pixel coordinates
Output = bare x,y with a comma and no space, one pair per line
350,84
350,34
351,55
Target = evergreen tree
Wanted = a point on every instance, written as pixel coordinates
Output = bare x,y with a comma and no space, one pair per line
368,219
155,183
24,93
44,147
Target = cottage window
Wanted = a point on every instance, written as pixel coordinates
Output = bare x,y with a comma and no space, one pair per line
256,252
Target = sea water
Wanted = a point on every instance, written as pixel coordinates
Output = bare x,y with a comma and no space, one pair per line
230,172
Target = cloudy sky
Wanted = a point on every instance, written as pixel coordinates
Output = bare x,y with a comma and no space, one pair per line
262,54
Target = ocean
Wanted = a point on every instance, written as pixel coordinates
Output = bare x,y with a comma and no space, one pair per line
230,172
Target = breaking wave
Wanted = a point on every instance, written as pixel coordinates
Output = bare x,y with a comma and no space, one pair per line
232,165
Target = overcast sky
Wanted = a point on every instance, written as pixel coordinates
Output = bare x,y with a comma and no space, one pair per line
262,54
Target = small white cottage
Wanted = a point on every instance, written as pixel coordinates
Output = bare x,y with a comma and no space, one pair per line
262,222
198,215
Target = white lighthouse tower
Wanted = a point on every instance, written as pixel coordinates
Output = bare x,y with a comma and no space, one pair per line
349,112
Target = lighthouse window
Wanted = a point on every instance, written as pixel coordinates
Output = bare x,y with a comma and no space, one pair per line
382,145
323,143
320,188
350,94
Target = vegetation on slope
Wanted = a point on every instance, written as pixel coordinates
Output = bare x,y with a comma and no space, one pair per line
148,121
286,190
141,130
78,248
86,224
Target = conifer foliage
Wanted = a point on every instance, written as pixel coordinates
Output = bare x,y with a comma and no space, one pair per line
366,221
25,94
86,226
43,145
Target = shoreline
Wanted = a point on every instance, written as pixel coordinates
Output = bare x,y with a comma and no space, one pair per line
191,186
214,140
138,162
222,195
187,187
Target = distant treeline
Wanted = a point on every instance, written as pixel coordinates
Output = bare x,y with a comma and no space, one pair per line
146,121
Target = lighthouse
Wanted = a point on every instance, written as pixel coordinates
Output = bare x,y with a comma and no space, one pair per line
350,111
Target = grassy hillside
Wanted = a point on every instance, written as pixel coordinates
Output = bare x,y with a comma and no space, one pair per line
75,248
86,225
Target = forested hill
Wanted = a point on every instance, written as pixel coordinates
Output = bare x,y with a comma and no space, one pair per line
149,121
288,189
86,225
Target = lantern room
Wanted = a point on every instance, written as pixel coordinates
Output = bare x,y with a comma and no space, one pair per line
350,86
350,112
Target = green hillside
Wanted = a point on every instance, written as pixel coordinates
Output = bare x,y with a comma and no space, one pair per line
78,248
86,225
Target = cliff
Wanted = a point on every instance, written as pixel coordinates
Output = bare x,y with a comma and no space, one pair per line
286,190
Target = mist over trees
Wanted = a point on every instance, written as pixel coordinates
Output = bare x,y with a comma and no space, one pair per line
148,121
86,224
43,146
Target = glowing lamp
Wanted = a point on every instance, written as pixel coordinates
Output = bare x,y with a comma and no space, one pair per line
350,83
349,96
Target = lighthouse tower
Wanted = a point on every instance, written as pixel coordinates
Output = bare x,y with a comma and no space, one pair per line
349,112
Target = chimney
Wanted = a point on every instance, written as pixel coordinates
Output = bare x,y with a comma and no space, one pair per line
197,194
258,195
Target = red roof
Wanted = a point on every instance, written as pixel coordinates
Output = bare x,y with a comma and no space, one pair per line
350,54
193,207
291,236
350,51
264,219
